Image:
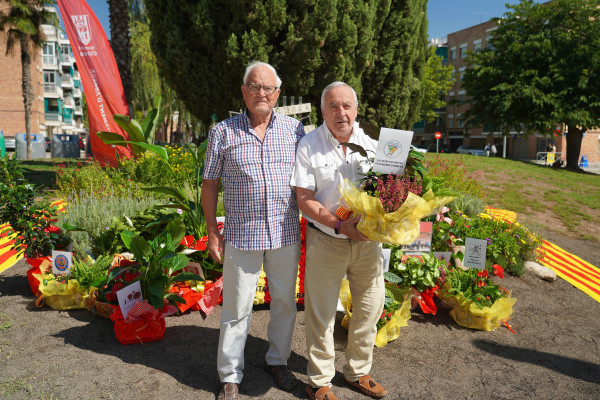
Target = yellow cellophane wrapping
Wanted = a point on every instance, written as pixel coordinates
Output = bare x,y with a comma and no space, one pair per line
466,313
63,296
388,332
398,227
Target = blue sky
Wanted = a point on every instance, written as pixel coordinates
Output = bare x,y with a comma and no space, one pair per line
445,16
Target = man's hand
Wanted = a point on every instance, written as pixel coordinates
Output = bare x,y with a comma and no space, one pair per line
348,228
216,247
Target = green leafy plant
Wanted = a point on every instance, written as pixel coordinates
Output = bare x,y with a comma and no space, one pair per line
88,271
476,285
159,263
143,132
11,171
421,272
32,222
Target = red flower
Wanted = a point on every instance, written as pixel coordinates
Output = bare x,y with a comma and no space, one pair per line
498,270
481,284
483,274
52,229
188,241
200,245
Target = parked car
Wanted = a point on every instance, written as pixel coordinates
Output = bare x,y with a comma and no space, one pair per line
444,148
47,144
10,143
464,149
419,149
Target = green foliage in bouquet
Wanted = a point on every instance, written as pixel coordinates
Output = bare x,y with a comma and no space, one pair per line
476,285
421,274
160,263
89,271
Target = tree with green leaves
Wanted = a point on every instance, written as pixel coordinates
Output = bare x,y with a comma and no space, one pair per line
541,71
203,47
21,22
119,42
436,83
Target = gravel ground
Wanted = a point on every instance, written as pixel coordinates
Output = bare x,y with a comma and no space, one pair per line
555,353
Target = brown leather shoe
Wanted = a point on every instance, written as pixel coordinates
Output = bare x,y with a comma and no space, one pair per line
322,393
229,391
368,386
283,377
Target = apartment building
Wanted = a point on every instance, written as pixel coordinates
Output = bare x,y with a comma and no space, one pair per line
57,106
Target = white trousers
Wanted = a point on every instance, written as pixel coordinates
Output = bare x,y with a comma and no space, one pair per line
241,270
327,261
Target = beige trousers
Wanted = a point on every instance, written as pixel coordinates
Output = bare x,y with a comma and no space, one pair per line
328,260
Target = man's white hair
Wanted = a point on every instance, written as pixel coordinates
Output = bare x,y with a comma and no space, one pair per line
255,64
334,85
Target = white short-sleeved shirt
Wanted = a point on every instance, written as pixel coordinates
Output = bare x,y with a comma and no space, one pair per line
322,166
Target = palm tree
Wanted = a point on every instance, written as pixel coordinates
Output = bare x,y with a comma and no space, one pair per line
21,22
119,41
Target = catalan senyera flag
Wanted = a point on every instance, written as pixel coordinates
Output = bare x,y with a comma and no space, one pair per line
572,269
99,76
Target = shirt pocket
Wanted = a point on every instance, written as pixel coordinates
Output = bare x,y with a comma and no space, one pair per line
325,173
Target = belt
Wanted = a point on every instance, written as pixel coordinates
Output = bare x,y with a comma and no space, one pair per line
324,233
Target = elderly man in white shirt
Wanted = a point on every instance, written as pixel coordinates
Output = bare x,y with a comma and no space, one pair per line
335,248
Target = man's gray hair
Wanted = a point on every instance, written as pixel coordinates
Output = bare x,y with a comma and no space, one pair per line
334,85
255,64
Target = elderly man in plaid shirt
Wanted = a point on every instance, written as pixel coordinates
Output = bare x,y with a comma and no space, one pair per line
252,155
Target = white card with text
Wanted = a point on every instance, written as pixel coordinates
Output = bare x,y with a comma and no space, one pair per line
61,262
392,151
128,296
387,254
475,250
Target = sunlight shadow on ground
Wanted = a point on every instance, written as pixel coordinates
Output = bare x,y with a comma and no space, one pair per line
577,369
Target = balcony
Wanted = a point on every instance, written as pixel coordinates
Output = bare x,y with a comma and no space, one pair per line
49,62
53,117
52,90
69,102
66,81
79,110
66,59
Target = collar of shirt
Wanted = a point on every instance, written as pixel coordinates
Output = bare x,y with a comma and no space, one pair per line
249,125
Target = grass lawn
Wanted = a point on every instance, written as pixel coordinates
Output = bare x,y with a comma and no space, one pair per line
563,201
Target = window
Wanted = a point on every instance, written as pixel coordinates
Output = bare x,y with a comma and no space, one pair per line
461,74
450,121
52,105
477,46
461,121
461,95
463,50
48,49
49,77
453,53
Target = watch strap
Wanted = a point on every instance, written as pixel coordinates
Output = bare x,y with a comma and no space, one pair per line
337,226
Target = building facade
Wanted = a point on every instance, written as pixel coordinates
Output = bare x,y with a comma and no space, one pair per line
57,106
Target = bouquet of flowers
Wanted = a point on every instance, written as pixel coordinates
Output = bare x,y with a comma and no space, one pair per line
392,206
475,301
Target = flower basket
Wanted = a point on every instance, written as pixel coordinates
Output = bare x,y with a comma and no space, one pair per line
466,313
388,332
144,324
102,309
398,227
34,274
61,296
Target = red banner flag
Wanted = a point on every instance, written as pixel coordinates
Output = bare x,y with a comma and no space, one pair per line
99,76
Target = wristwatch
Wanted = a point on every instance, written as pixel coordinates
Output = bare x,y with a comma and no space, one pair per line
337,227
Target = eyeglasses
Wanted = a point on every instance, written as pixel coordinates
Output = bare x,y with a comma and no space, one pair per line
254,88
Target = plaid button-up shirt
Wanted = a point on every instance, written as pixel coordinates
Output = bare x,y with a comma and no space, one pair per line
261,211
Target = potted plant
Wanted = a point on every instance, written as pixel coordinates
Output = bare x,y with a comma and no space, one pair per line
474,300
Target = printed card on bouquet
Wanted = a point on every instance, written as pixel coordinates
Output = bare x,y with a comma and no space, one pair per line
392,151
221,220
387,254
194,268
475,250
61,262
423,243
128,296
